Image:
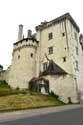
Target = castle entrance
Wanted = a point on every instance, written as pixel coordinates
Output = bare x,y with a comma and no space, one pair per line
39,85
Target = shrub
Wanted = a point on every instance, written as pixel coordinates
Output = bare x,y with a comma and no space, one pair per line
17,88
53,94
5,89
4,84
1,66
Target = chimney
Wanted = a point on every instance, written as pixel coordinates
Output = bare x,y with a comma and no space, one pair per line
29,34
20,32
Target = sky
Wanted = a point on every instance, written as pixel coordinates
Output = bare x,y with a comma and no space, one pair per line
30,13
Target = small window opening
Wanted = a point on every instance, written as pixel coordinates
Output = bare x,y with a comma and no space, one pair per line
45,66
77,67
76,50
19,57
63,34
75,35
64,59
31,55
50,36
50,50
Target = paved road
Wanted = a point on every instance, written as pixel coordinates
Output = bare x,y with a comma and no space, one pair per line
67,117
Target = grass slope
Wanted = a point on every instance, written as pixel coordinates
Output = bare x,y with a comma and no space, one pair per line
26,101
15,99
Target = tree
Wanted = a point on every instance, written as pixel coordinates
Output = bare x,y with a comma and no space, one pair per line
1,67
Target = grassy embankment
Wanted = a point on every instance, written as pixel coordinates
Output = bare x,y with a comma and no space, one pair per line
20,99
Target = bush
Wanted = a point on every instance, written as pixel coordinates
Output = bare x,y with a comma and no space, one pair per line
1,66
5,89
53,94
4,84
17,88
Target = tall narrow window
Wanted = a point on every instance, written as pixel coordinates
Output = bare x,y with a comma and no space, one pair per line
77,68
50,50
31,55
64,59
50,36
44,66
77,51
75,34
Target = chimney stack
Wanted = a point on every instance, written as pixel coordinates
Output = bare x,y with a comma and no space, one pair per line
29,33
20,32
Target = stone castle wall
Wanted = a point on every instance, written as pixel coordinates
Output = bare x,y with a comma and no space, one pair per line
29,58
23,64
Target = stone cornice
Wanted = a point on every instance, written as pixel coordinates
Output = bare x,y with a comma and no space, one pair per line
26,39
57,20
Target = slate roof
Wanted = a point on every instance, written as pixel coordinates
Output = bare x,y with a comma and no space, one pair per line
53,69
45,24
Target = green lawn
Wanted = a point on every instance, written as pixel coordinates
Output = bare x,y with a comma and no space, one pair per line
27,101
15,99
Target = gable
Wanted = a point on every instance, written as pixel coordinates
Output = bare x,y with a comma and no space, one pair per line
53,69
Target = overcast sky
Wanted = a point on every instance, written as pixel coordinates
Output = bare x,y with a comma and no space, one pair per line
30,13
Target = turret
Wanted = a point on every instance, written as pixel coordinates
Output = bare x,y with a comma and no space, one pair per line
20,32
29,33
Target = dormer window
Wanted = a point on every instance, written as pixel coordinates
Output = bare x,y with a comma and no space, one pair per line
50,36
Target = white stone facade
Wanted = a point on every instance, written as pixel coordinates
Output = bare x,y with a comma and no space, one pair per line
58,40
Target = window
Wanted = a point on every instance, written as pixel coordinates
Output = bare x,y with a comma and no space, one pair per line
50,36
31,54
44,66
50,50
18,56
64,59
76,50
63,34
77,65
75,34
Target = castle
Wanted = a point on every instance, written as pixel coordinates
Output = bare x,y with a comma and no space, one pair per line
51,60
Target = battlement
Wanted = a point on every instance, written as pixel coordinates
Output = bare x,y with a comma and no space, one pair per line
22,42
26,42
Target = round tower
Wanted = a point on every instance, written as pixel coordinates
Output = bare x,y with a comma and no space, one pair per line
23,67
